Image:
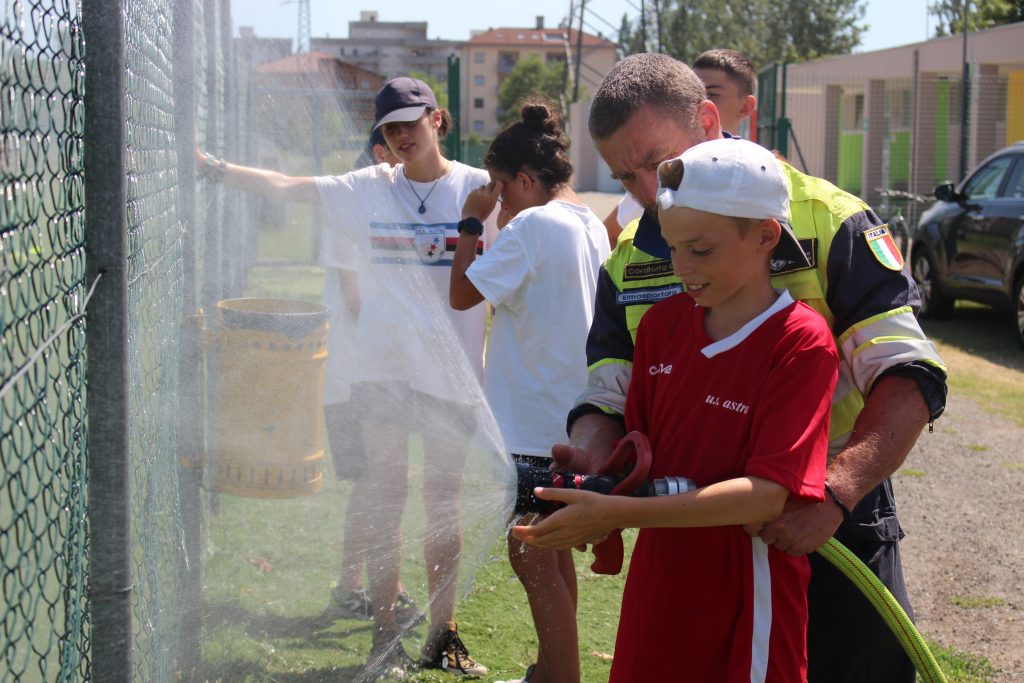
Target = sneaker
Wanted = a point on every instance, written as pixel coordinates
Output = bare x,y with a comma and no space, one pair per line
407,614
524,679
354,604
444,650
387,656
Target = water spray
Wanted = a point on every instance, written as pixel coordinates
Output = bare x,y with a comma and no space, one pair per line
626,474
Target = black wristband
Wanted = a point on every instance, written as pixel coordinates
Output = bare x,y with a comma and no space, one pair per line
835,499
213,169
471,226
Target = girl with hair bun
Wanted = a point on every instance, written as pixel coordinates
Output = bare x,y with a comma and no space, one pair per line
540,276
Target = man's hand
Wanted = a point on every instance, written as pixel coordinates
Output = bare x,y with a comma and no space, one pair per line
567,458
588,517
802,528
481,201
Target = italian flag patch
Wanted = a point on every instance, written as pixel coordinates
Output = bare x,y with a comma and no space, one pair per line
884,248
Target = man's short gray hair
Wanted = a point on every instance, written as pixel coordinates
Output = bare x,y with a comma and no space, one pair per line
646,79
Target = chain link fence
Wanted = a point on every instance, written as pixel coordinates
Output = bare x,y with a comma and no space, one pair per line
104,104
876,136
44,618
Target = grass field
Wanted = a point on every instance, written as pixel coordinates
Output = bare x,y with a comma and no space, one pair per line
984,362
272,564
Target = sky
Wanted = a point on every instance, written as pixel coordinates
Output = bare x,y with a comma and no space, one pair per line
890,22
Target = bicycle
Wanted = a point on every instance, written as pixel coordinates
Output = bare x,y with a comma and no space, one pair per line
899,199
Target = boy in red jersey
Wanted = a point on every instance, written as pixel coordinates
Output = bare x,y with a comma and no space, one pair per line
733,385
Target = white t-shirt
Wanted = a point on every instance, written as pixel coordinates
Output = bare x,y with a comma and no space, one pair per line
629,210
341,334
541,277
406,329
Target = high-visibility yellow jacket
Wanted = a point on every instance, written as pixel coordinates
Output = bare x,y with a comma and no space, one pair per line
853,280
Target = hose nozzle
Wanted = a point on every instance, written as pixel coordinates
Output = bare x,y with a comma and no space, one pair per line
530,478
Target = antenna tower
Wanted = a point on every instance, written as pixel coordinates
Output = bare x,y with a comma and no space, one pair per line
303,42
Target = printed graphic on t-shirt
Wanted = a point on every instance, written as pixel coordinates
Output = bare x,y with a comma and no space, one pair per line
430,243
415,243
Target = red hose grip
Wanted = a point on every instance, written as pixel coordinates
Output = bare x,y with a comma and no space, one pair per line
635,449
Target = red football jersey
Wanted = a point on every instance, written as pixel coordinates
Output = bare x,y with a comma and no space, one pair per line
712,604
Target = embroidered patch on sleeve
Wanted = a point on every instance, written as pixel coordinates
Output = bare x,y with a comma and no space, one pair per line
884,248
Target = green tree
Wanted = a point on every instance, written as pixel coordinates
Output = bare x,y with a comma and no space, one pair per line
531,78
631,36
440,89
982,14
765,30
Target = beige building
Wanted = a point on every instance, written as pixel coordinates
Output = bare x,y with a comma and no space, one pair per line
489,57
894,118
390,48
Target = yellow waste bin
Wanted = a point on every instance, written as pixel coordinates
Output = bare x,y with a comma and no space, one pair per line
269,358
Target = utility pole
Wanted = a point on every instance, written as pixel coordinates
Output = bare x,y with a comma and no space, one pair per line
965,94
643,26
303,36
579,53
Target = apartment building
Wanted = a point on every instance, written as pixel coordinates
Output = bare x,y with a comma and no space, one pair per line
390,48
489,57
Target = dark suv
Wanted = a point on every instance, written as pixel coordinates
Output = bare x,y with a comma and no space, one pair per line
970,243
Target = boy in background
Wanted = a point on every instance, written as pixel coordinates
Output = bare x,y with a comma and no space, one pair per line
733,386
729,78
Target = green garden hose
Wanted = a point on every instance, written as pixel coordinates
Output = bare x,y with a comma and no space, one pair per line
890,610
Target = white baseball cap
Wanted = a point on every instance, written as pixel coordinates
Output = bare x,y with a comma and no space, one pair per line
732,177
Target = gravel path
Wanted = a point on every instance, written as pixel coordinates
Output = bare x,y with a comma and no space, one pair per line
960,498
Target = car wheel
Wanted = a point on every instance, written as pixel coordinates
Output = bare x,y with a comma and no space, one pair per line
934,304
1018,307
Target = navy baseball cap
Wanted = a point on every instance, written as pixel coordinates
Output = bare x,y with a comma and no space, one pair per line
403,99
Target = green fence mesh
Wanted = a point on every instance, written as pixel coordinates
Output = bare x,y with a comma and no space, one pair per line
178,238
43,560
155,286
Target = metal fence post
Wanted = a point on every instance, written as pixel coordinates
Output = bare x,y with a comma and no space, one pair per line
453,142
191,421
110,540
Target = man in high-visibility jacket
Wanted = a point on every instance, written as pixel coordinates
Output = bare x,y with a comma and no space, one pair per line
891,384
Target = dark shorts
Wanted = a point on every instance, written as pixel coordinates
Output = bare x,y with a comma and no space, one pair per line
396,403
847,640
345,441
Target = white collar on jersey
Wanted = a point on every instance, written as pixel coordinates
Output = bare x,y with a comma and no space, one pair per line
737,337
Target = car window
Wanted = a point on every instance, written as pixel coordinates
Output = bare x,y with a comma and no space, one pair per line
1015,185
985,182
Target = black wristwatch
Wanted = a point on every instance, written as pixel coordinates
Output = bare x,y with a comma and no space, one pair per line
471,225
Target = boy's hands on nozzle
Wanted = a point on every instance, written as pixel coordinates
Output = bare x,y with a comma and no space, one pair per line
587,518
481,201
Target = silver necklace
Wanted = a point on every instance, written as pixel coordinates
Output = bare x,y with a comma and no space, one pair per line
422,200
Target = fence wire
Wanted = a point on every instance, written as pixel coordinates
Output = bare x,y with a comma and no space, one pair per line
872,135
177,239
44,631
155,284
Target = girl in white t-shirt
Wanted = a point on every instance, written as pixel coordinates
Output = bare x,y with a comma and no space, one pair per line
409,371
540,275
